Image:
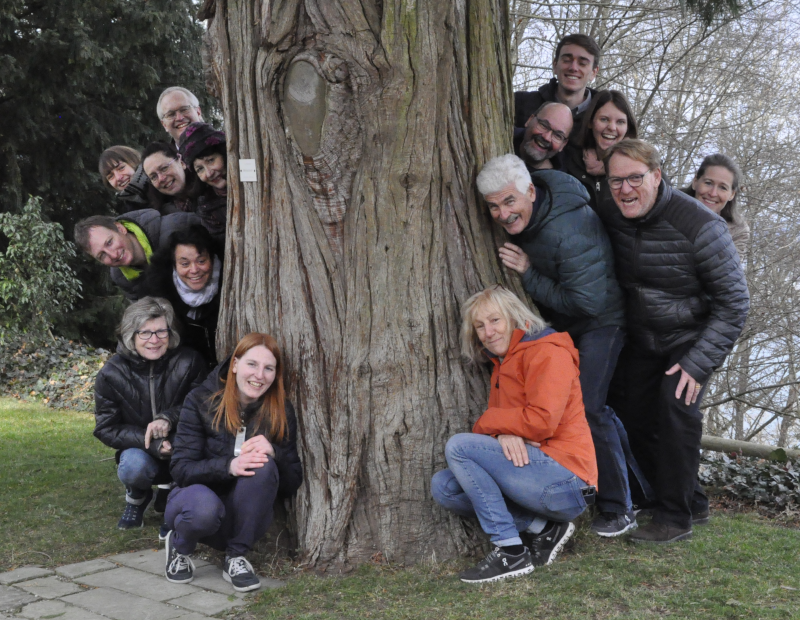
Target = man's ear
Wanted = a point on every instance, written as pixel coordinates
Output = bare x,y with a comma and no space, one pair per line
122,230
657,175
531,193
530,119
594,73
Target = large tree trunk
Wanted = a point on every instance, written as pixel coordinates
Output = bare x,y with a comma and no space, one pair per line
368,121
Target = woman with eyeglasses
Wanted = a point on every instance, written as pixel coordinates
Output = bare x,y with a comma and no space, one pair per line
203,150
173,184
716,185
188,272
138,396
608,120
235,453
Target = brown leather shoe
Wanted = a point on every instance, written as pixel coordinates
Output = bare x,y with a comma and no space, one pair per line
660,534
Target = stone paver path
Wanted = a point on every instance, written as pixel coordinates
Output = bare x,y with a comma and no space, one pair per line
129,586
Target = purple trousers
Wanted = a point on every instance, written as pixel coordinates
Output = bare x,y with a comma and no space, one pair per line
231,523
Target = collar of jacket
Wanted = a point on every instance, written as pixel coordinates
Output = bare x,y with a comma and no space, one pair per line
662,200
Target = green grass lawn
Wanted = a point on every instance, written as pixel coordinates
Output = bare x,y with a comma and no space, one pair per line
60,498
60,501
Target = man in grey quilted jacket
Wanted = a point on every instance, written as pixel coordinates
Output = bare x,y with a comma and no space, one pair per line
687,301
560,249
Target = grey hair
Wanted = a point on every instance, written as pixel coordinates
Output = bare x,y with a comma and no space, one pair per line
180,89
514,311
138,313
502,171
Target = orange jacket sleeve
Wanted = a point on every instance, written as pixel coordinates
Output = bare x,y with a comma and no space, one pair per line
549,375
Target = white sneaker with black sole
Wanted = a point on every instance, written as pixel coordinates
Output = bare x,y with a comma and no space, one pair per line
611,524
498,565
178,567
547,545
240,574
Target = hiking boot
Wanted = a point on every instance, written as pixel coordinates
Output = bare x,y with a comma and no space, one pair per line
163,531
178,568
660,534
700,518
240,574
498,565
610,524
547,545
161,501
134,511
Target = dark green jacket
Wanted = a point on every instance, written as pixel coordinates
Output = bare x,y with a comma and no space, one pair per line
571,278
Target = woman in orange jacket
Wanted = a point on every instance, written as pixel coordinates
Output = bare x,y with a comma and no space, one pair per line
528,466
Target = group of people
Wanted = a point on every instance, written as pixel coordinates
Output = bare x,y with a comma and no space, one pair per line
647,282
640,291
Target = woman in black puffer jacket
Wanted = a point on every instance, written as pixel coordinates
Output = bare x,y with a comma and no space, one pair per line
235,452
138,397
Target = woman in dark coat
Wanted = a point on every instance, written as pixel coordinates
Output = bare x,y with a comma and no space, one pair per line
120,167
608,120
235,452
187,272
138,397
203,150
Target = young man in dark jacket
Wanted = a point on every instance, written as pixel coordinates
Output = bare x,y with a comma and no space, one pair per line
125,244
575,64
687,301
561,250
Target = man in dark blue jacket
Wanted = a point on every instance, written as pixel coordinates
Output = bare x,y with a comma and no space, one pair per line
564,256
687,301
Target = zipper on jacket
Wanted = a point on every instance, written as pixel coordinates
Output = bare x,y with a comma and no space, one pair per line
637,247
152,393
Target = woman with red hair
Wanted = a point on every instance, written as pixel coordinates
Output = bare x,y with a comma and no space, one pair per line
235,452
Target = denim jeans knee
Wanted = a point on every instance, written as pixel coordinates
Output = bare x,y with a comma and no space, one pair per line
137,470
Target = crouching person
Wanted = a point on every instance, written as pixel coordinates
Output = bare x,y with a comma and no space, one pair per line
235,452
529,464
138,397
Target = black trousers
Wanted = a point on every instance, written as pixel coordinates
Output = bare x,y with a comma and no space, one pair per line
664,432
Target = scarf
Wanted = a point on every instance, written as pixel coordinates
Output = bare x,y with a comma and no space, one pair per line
131,273
195,299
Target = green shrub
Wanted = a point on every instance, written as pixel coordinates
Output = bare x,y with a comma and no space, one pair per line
753,480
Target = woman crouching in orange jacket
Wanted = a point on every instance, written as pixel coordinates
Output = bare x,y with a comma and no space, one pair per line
528,466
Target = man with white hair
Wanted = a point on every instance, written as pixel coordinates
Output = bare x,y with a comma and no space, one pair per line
176,108
561,250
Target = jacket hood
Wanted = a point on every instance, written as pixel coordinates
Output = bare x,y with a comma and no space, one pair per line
520,340
563,193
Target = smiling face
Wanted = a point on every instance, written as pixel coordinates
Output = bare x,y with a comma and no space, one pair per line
574,69
492,329
714,188
120,175
154,347
511,208
255,372
211,169
192,268
113,248
167,175
177,112
633,201
546,134
609,126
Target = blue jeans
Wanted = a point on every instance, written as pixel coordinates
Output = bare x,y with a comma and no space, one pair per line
139,471
482,482
599,350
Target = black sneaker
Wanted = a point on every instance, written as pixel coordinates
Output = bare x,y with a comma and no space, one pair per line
240,574
547,545
610,524
178,568
700,518
163,531
134,513
661,534
498,565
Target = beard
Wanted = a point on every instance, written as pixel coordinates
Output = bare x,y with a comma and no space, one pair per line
531,153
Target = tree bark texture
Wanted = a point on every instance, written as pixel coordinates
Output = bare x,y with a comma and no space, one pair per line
363,234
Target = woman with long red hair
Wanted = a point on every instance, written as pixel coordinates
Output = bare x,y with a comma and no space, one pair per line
235,452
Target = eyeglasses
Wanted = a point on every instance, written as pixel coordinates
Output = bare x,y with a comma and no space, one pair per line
183,111
146,334
161,171
634,180
557,136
